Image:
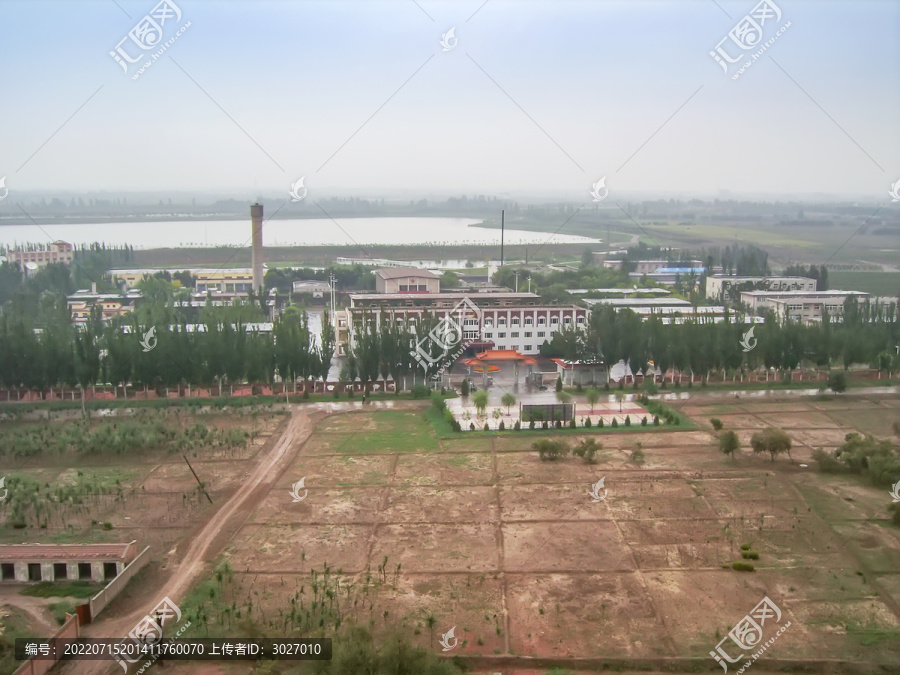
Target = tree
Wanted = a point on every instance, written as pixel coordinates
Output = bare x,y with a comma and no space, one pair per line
620,396
559,383
563,396
587,450
771,440
480,399
593,396
837,381
729,443
464,388
508,399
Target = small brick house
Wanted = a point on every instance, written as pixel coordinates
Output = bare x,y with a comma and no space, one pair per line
64,562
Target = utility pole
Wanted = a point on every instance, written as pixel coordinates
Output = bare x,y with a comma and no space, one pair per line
502,228
529,284
199,482
517,281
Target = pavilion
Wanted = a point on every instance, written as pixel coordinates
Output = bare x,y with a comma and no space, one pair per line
500,363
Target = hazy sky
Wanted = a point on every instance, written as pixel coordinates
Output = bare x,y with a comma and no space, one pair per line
535,97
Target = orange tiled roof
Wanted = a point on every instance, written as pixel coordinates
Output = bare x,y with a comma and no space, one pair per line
9,552
501,355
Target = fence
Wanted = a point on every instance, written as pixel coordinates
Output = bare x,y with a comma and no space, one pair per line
186,391
70,630
114,587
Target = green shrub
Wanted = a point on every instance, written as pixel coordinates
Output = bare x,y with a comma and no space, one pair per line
750,555
486,427
471,426
745,547
716,423
615,423
531,424
627,420
644,421
600,423
572,423
551,449
501,426
656,420
420,391
517,426
587,423
637,456
742,566
107,525
559,424
587,450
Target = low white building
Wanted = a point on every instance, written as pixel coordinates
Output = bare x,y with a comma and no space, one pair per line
808,308
717,285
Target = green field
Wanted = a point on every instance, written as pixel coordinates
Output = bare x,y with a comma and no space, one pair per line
876,283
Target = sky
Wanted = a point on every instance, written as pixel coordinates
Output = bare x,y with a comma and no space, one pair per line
526,98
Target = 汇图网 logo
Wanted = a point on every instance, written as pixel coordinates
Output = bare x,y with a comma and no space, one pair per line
149,341
748,34
599,190
748,632
298,191
448,40
746,338
446,639
445,342
595,490
295,490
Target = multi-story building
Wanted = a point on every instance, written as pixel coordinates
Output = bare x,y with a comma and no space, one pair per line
718,285
807,308
82,302
57,252
232,280
503,320
406,280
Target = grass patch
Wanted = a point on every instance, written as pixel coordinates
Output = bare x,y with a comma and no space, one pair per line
14,624
71,589
395,431
60,609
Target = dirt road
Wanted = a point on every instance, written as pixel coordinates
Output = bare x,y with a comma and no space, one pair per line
202,547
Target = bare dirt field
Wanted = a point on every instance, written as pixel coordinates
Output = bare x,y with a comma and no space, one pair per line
516,554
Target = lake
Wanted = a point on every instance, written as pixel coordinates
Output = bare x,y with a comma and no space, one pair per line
297,232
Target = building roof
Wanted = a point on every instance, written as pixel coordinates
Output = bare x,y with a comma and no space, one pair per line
72,552
404,272
430,297
802,294
566,364
619,291
680,270
771,277
500,355
639,302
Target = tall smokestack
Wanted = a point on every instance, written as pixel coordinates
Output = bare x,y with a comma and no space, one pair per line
256,218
